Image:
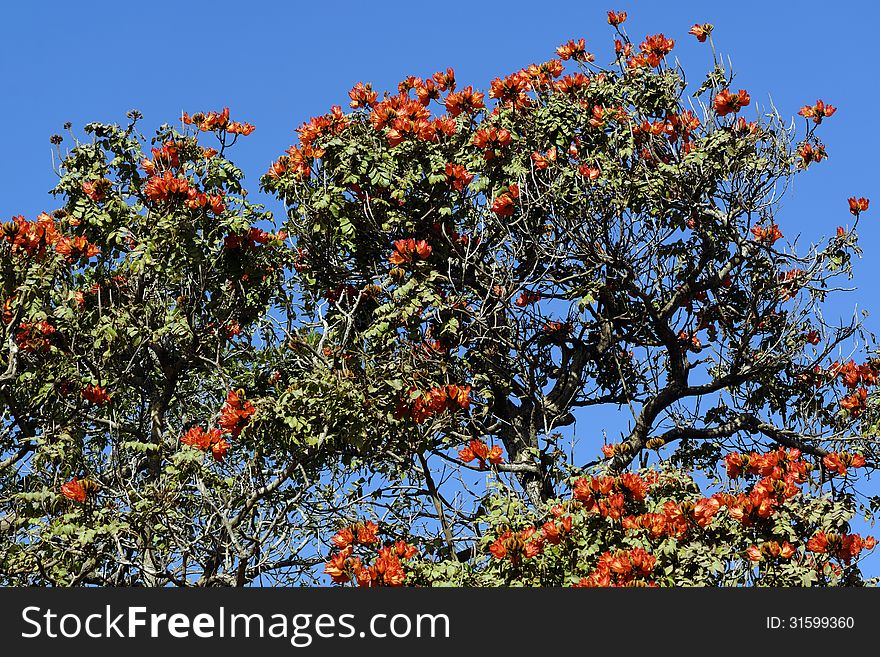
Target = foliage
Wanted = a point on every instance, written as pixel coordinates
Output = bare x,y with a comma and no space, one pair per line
460,279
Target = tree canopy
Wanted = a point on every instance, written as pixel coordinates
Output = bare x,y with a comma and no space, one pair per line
390,381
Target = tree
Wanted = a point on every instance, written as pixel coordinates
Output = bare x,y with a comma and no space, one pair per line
385,384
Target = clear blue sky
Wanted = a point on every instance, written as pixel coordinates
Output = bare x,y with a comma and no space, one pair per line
278,63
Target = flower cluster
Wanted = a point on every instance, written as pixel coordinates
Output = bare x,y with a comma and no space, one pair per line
387,567
458,176
726,102
857,205
236,413
767,234
817,112
518,545
838,462
212,121
478,451
492,141
504,204
96,395
409,250
210,440
437,400
620,568
843,547
770,550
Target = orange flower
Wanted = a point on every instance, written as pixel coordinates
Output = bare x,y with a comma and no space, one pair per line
543,161
75,248
616,17
367,532
236,413
754,553
855,403
457,176
839,462
466,101
808,154
491,141
336,568
770,234
410,250
656,47
445,81
857,206
588,172
243,129
211,440
705,510
511,91
458,396
96,395
362,95
504,205
575,50
817,112
74,490
527,297
701,31
208,122
35,336
726,102
96,189
478,451
343,538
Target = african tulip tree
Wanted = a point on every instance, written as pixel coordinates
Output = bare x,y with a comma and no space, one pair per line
395,386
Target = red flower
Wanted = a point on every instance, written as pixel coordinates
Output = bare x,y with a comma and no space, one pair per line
616,17
769,234
656,47
236,413
504,205
701,31
466,101
726,102
808,154
857,206
362,95
575,50
817,112
588,172
96,189
527,297
511,91
95,394
457,176
74,490
855,403
491,141
35,336
839,462
410,250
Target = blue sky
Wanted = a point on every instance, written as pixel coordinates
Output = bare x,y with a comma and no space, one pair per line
278,63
